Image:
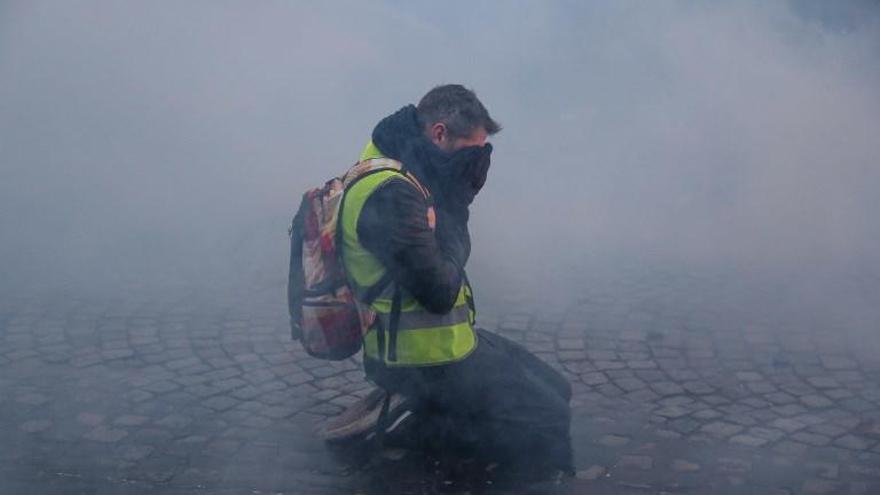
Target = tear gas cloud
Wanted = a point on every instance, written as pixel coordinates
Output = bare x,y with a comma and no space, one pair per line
156,143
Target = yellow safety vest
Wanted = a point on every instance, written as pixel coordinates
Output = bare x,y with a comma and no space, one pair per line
422,338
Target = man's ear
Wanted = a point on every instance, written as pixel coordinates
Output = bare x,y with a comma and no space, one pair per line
438,133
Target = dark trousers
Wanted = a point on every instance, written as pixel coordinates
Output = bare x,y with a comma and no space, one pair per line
501,402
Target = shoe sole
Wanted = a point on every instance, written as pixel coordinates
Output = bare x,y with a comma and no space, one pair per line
364,418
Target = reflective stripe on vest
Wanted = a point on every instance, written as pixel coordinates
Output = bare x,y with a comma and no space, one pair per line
414,317
423,338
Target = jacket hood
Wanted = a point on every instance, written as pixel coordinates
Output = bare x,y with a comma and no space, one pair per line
399,136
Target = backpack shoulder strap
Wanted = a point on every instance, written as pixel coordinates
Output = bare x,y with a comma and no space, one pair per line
372,165
359,171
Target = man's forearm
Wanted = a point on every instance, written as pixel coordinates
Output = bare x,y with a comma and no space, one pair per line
394,227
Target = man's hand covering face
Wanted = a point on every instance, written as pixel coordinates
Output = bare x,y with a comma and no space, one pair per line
465,174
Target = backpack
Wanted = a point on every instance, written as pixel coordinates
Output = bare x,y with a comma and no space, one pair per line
324,313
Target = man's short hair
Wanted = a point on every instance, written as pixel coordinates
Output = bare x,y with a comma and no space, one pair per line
458,108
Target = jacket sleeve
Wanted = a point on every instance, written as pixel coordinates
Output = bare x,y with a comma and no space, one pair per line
393,226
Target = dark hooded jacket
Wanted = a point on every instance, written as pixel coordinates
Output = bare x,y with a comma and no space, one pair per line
393,224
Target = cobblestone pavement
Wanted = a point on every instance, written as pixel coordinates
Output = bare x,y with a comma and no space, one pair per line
682,385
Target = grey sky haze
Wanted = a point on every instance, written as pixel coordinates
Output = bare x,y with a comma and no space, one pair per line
159,142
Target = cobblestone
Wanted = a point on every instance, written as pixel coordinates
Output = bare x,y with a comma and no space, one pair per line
683,466
591,473
749,440
668,397
108,435
853,442
635,461
614,440
35,425
721,429
818,486
810,438
815,401
91,419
